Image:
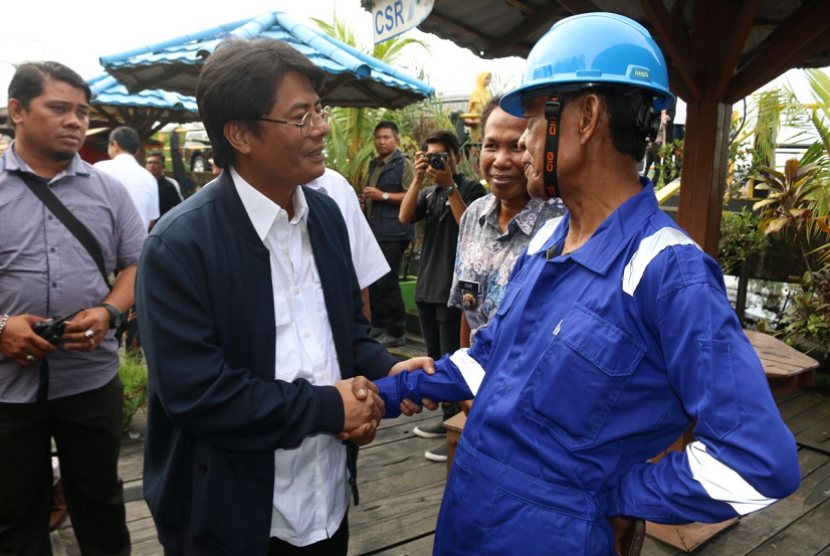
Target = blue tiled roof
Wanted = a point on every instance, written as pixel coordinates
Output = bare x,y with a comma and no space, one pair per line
175,64
106,90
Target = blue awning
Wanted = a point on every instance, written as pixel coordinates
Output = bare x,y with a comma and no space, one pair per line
146,111
353,78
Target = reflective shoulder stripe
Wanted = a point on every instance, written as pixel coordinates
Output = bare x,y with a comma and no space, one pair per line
723,483
649,248
542,235
472,372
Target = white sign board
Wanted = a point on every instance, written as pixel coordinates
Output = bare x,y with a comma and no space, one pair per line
390,18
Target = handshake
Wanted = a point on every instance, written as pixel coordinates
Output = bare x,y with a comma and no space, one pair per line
364,408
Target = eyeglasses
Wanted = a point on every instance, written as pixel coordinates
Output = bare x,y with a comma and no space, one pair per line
307,122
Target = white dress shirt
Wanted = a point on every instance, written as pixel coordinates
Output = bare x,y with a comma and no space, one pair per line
369,262
140,183
310,487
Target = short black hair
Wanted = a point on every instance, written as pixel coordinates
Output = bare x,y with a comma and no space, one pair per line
626,136
27,82
127,138
388,125
156,152
239,83
445,137
485,114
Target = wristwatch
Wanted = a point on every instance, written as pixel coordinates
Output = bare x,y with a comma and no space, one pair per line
385,196
449,189
116,316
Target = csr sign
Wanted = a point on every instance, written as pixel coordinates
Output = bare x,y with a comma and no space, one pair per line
392,17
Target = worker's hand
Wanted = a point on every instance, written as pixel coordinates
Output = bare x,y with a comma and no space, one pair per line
19,342
362,435
466,406
86,330
408,407
359,411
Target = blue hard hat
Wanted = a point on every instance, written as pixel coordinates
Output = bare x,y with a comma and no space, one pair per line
597,48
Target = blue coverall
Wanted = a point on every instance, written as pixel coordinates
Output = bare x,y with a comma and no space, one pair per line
595,362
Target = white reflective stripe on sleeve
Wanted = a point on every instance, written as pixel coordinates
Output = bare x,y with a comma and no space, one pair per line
542,235
649,248
723,483
472,372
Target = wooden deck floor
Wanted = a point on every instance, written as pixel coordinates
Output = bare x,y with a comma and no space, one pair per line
401,492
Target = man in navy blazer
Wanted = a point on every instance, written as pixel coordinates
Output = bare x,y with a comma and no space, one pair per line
253,328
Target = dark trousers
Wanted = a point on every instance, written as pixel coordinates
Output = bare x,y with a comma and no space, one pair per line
337,545
87,431
388,310
441,328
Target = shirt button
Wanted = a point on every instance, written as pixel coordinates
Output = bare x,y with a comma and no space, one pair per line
49,217
52,249
306,333
54,284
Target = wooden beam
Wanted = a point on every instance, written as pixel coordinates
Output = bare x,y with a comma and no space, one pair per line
704,171
774,55
521,6
523,30
577,7
671,36
109,117
741,29
370,93
677,85
338,82
458,28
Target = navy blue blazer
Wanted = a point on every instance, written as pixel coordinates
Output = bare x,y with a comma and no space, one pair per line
216,413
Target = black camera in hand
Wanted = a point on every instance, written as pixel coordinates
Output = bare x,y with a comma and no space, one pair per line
436,160
52,330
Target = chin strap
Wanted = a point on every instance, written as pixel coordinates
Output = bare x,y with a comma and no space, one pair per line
553,112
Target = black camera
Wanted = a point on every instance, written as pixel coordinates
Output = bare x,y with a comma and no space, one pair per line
52,330
436,160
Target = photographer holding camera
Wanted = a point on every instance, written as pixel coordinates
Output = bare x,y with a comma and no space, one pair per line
64,226
441,206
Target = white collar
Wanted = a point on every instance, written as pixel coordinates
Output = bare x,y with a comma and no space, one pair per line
263,211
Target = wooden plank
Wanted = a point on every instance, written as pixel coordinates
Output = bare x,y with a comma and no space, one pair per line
816,436
807,419
779,359
784,398
808,535
655,547
395,519
418,547
688,537
799,404
757,528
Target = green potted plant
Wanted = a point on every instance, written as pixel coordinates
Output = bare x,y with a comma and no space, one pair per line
133,376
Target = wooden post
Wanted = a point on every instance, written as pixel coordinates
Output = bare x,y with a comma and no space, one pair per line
704,171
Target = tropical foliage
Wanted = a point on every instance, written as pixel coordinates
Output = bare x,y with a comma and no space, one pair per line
798,206
133,376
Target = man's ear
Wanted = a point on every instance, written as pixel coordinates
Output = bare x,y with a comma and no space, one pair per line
239,136
591,112
16,110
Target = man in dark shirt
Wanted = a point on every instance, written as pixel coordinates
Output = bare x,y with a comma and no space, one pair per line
441,206
385,187
169,195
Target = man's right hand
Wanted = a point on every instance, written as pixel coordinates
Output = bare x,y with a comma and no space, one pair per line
19,341
359,410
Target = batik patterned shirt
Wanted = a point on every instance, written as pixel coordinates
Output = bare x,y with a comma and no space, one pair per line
486,255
